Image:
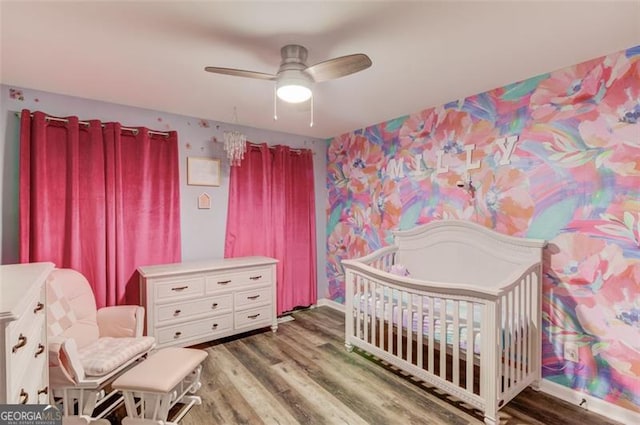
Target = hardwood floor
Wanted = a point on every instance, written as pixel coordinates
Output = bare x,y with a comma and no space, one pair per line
303,375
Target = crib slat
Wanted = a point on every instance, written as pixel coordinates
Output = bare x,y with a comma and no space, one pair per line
506,340
432,330
399,324
410,328
367,307
443,338
470,344
512,338
456,343
390,321
374,312
528,325
420,331
359,306
383,312
519,332
525,326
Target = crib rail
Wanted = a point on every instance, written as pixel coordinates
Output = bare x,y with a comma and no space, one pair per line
481,348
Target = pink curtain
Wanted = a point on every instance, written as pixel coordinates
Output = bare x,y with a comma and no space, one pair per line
271,212
98,199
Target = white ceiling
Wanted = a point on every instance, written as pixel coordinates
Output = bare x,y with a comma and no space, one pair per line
152,54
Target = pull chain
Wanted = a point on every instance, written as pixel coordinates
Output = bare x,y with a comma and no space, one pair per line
275,104
235,115
311,122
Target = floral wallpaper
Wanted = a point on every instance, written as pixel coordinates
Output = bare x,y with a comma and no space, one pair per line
555,157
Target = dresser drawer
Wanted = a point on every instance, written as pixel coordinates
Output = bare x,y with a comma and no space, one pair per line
26,346
253,318
43,389
256,276
189,308
222,282
235,280
254,297
179,288
32,385
176,334
34,313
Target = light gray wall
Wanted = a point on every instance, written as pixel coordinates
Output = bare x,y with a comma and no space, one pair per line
202,230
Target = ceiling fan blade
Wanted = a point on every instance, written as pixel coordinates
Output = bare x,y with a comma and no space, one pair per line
240,73
338,67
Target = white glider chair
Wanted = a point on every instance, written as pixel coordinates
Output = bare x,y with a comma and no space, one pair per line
89,347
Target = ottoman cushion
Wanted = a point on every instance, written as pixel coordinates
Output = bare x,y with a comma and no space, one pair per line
161,371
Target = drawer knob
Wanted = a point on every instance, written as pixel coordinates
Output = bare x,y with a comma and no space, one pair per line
253,316
256,277
177,334
38,308
22,341
180,288
45,390
223,282
24,397
253,297
40,350
214,305
215,326
175,313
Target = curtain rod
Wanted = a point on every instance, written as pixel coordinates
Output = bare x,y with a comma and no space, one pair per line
133,130
273,147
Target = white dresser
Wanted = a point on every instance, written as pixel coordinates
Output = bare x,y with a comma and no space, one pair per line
24,370
193,302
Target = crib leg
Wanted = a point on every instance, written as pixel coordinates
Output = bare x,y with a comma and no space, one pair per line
490,421
535,385
348,346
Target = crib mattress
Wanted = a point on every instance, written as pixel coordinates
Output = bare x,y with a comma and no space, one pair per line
386,308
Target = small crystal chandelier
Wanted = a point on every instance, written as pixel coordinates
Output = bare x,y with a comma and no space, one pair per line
235,143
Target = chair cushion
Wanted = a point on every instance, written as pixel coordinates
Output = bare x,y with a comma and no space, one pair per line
60,316
107,354
71,308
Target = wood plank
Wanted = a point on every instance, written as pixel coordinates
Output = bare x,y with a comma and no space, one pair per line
293,401
222,402
262,402
323,402
342,381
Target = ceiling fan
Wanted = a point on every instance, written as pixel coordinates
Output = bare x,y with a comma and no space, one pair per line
294,78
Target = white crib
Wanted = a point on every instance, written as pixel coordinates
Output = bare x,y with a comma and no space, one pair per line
466,317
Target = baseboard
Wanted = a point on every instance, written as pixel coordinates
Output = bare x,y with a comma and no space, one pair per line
326,302
591,403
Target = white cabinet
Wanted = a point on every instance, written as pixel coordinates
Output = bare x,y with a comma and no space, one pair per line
193,302
24,369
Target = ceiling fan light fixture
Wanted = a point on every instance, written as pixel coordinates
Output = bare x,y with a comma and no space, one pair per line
293,87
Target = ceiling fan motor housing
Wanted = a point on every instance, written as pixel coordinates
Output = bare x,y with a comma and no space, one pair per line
293,84
294,53
293,65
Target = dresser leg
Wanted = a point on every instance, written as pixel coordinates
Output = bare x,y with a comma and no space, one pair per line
274,328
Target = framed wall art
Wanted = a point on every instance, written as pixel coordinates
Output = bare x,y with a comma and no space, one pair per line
203,171
204,201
